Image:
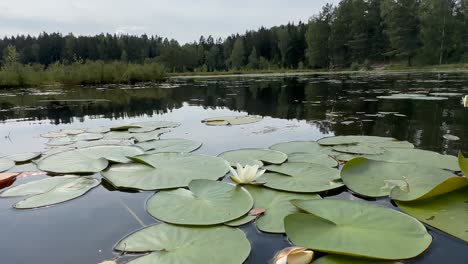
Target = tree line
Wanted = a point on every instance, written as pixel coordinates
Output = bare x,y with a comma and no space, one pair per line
352,33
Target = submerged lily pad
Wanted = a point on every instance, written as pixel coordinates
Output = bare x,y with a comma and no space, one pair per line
170,145
408,181
334,226
231,120
446,212
171,244
277,205
206,202
51,191
253,156
6,164
165,171
23,157
337,259
302,177
87,160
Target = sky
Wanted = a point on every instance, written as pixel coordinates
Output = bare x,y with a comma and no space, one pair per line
183,20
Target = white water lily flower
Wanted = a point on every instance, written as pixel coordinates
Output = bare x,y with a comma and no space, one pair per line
294,255
465,101
246,175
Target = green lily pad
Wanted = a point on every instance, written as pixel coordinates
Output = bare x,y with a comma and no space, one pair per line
298,146
172,244
241,221
119,135
170,145
23,157
231,120
334,226
149,136
143,127
337,259
362,149
88,136
301,177
463,164
277,205
165,171
418,156
102,142
446,212
206,202
98,130
322,159
51,191
408,181
352,140
62,141
54,134
87,160
253,156
6,164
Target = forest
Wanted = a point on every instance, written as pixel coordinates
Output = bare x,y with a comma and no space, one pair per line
354,35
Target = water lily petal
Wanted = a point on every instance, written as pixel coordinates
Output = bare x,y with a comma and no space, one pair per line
234,172
236,180
259,173
283,260
301,257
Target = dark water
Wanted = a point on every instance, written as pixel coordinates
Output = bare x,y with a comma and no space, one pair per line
295,108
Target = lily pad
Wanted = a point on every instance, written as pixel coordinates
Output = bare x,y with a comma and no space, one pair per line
6,164
143,127
352,140
337,259
241,221
54,134
463,163
119,135
322,159
170,145
149,136
51,191
87,160
298,146
165,171
408,181
171,244
88,136
446,212
412,97
254,156
277,205
362,149
24,157
231,120
301,177
206,202
62,141
334,226
98,130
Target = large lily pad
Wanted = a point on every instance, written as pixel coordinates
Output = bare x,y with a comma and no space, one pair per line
408,181
143,127
322,159
149,136
99,130
119,135
87,160
61,141
205,203
170,145
231,120
298,146
351,140
166,171
6,164
172,244
254,156
277,205
337,259
24,157
362,149
301,177
334,226
89,136
447,212
51,191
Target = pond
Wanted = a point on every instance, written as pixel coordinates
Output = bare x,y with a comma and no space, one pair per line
302,107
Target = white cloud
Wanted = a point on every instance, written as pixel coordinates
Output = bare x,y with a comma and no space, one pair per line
184,20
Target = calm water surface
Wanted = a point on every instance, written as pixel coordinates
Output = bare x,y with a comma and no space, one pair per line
294,108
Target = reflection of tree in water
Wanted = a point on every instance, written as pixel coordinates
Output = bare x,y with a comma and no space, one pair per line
324,101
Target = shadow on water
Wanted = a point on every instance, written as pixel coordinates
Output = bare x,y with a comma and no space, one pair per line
295,108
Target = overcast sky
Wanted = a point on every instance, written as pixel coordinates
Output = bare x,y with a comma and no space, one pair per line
184,20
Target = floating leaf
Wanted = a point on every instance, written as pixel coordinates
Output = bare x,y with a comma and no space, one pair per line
376,178
359,149
446,212
102,142
337,259
87,160
351,140
166,171
231,120
6,164
322,159
253,156
58,134
302,177
72,132
206,202
119,135
88,137
153,135
51,191
412,97
170,145
171,244
277,205
62,141
241,221
151,126
334,226
463,163
99,130
450,137
299,146
23,157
